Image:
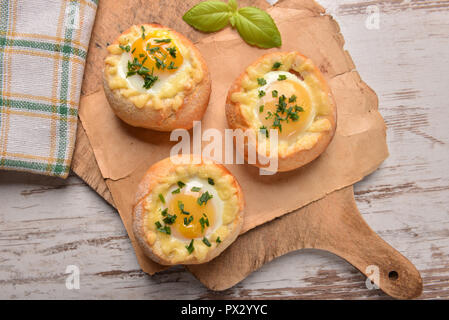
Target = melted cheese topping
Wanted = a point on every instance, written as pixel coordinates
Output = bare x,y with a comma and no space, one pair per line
168,198
297,82
164,56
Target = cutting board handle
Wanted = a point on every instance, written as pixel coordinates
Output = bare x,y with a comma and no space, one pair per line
341,230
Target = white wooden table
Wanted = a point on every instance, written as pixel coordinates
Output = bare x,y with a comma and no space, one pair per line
47,224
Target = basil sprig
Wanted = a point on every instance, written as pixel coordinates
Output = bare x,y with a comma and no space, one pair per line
254,25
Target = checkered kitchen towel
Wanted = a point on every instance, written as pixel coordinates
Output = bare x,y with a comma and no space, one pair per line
43,48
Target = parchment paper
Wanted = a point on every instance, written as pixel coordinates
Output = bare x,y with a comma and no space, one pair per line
124,153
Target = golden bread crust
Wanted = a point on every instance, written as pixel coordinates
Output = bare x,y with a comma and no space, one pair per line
236,120
149,181
192,109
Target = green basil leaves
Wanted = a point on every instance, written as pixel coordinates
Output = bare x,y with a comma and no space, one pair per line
254,25
208,16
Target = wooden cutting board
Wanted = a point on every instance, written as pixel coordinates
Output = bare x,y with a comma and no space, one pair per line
332,223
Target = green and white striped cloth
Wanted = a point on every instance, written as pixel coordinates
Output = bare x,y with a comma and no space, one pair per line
43,48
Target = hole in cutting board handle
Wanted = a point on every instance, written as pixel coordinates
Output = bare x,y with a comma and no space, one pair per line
393,275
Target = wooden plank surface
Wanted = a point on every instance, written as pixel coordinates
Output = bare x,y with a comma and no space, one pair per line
47,224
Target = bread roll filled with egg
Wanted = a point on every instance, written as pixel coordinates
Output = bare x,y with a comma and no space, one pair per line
286,92
188,210
155,78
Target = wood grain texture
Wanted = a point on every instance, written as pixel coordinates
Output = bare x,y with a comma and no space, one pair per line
49,223
332,224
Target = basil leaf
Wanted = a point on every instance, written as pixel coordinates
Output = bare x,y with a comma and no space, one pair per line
256,27
233,5
208,16
232,21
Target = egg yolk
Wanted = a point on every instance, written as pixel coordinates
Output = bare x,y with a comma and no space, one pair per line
286,107
194,219
157,52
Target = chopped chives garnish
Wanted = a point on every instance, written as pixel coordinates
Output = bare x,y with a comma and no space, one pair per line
190,247
282,77
204,198
181,207
187,221
261,81
162,40
172,51
163,229
276,65
204,221
206,242
171,66
169,219
125,48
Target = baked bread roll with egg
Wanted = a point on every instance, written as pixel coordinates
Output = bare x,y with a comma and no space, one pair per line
155,78
188,210
284,91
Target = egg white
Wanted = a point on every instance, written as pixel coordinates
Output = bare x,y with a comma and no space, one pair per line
216,200
273,76
136,82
